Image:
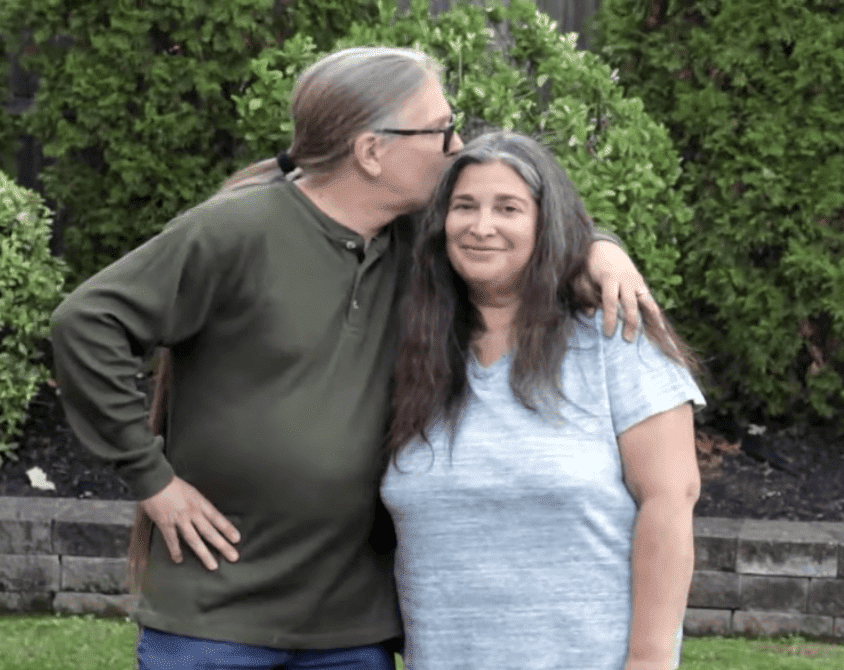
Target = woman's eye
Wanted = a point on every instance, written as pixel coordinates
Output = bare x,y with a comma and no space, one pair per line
461,205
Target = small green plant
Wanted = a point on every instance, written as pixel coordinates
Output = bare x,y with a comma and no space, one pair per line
752,94
509,67
31,281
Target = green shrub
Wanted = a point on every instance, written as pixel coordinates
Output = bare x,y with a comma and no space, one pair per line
324,21
8,142
134,108
510,68
9,124
752,92
31,283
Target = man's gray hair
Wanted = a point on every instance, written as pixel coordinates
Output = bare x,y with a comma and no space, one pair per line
347,93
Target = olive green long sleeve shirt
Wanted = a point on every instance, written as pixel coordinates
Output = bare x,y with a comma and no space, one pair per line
282,328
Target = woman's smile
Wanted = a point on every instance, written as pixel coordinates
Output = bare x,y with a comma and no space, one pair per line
490,227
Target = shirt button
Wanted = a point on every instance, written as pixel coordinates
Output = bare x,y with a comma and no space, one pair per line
355,304
350,245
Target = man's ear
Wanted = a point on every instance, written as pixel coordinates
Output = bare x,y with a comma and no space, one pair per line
367,151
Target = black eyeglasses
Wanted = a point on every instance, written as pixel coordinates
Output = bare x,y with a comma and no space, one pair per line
448,132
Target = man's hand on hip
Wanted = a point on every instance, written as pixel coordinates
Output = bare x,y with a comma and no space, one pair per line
179,510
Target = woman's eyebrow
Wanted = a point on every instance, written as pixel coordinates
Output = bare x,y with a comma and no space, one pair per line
503,197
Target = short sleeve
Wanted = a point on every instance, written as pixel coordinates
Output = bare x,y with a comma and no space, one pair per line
642,381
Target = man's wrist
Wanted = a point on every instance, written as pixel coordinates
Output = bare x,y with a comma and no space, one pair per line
601,235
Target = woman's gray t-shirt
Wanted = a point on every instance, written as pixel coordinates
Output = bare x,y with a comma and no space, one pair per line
514,550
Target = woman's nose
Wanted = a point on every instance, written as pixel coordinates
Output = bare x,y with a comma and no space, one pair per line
482,224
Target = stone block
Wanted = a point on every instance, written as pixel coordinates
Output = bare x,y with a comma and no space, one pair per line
99,604
79,538
714,589
710,526
781,594
826,596
838,628
25,537
715,553
767,624
26,573
93,527
707,622
841,562
807,532
793,559
94,575
107,512
716,543
31,601
29,509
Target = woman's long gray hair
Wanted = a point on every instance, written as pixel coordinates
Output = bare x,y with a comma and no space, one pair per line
440,319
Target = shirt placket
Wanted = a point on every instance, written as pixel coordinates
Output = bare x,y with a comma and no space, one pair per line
357,306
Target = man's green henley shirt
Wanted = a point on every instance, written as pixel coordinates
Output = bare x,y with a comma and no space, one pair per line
282,325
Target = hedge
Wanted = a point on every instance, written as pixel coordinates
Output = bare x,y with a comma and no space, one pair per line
752,92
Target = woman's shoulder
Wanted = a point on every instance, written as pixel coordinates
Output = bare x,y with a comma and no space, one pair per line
587,329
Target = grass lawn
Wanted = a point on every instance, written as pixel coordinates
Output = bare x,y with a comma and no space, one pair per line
792,653
48,642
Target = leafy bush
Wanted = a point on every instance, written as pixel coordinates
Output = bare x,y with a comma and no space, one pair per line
31,283
134,107
324,21
752,93
509,67
8,141
9,124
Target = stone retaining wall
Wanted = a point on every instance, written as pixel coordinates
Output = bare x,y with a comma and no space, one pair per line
751,577
767,578
64,555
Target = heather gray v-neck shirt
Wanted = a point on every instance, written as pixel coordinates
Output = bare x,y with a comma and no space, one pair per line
515,553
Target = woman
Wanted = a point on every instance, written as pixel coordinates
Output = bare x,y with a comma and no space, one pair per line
542,477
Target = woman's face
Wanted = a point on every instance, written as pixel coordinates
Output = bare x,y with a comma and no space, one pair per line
490,228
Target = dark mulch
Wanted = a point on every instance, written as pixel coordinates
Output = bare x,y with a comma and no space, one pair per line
48,443
735,485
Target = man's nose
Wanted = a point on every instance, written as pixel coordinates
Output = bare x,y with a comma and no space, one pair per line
456,143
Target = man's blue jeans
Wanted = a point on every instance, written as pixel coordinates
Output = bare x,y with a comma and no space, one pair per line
158,650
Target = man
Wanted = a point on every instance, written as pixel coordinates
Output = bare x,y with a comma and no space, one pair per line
278,301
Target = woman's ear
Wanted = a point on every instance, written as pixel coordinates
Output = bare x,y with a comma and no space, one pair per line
367,152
